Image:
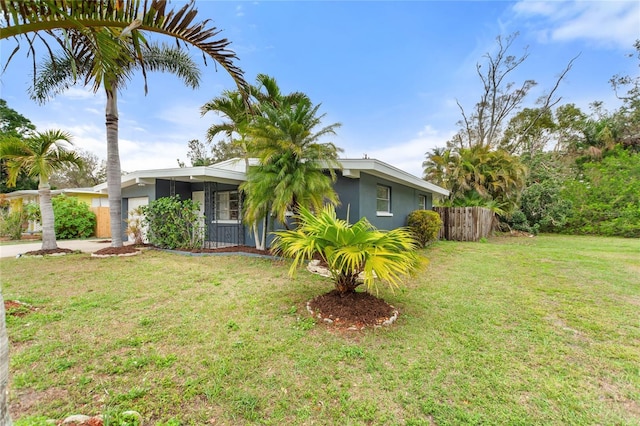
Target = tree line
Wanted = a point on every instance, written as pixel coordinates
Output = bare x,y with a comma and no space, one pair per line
546,168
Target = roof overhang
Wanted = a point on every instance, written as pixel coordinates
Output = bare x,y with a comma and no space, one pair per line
234,172
352,168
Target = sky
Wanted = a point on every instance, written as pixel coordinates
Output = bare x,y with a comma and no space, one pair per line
391,73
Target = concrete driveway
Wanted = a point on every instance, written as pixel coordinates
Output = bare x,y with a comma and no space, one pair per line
86,246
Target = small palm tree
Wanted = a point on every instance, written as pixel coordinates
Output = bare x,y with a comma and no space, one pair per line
40,155
350,251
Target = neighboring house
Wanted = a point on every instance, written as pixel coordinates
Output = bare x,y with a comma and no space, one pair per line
369,188
98,203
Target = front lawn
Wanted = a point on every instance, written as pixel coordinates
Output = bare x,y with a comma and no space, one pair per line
541,330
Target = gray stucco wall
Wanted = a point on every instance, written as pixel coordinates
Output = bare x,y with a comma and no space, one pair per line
349,193
404,200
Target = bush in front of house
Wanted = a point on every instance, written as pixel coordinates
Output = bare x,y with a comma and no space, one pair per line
11,224
173,223
73,218
354,254
425,225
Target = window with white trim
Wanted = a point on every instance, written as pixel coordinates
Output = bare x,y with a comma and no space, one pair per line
383,199
227,205
422,202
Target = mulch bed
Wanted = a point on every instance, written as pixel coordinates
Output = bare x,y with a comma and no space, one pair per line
116,251
17,309
49,252
352,310
130,249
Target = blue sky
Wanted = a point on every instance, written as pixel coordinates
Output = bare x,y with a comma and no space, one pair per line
390,72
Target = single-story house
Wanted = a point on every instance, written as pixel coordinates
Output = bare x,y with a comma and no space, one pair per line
369,188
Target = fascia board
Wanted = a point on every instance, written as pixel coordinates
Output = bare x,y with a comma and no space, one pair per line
391,173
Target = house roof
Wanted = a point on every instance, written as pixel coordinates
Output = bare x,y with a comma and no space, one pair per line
352,168
231,171
234,171
23,193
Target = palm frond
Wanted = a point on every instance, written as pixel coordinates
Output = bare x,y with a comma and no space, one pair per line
106,21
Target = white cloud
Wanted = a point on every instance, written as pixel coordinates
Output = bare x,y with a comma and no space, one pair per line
604,23
408,155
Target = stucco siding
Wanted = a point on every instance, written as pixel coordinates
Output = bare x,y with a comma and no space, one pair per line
404,200
349,193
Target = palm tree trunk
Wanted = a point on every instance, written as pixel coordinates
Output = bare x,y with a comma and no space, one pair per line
46,212
114,189
5,420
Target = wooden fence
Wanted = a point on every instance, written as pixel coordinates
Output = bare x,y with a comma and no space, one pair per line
103,221
465,223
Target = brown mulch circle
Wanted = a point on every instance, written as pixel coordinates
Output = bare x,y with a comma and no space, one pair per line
116,251
49,252
17,309
354,310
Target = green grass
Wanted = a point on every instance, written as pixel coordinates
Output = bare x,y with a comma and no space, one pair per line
517,331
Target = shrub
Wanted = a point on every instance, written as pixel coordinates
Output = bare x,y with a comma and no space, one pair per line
349,250
135,227
543,205
518,221
32,211
73,218
173,223
11,224
425,225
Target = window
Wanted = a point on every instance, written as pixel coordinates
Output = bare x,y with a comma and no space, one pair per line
383,200
227,205
422,202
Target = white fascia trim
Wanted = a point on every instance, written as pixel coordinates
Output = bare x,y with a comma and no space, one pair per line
389,172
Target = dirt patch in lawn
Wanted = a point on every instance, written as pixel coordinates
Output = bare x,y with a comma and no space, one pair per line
17,309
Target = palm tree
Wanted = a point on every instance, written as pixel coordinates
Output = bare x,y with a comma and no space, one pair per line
40,155
478,176
355,254
106,37
103,23
58,74
292,160
232,105
265,96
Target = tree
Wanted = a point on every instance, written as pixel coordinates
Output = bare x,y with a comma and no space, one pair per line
92,171
266,103
58,74
101,25
197,155
14,124
231,105
39,155
292,161
500,99
479,176
629,113
350,251
239,114
107,36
